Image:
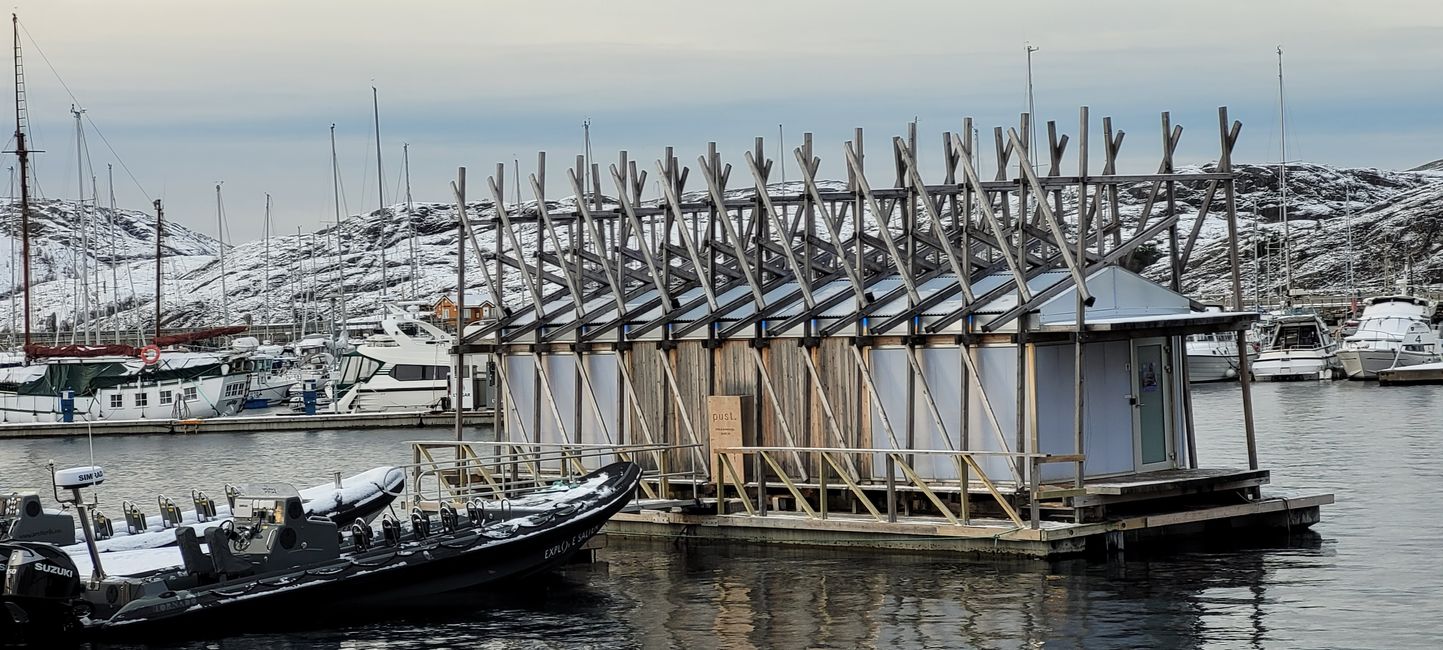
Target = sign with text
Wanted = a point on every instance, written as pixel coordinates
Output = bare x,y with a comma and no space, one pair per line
729,424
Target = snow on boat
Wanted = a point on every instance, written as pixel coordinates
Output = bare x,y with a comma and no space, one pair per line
363,496
1393,332
272,563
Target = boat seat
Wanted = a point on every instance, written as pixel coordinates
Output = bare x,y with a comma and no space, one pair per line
225,562
195,560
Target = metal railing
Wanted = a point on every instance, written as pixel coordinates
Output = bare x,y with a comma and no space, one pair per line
457,471
825,459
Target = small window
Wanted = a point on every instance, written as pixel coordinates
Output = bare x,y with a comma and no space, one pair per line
142,398
407,372
117,400
190,394
166,397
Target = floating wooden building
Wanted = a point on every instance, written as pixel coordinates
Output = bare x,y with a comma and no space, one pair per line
961,364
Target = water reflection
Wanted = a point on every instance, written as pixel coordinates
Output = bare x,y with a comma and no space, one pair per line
1366,576
709,596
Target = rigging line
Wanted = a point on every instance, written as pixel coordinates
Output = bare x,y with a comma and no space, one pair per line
73,98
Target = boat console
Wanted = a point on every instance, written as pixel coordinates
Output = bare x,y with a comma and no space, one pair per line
23,518
269,532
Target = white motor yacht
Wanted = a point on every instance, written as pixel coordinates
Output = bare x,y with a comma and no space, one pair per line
1393,332
408,368
1301,348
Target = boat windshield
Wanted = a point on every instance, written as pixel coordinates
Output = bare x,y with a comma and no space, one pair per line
356,368
1297,337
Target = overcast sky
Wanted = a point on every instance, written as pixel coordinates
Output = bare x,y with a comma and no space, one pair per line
190,92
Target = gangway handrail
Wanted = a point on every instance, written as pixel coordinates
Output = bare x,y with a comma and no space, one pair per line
895,459
505,469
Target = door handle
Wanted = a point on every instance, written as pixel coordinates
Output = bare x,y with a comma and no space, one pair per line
1131,399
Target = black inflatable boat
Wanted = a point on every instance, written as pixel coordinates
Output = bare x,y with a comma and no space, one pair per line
271,562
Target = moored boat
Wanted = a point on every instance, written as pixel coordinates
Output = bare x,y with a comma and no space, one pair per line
272,563
1214,357
1300,349
1393,332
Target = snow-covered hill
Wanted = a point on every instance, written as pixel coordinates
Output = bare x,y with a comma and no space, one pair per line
1396,221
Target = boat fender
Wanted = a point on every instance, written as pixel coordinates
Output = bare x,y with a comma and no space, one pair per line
390,530
420,523
448,518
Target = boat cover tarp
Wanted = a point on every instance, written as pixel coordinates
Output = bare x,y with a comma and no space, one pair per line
36,351
87,378
177,339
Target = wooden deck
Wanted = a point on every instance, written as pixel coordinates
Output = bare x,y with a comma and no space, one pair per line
978,536
1192,503
1165,484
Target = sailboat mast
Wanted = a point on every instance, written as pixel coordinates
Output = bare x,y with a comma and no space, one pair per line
14,289
267,292
410,216
220,236
340,272
114,277
159,228
24,156
1348,231
82,278
1283,183
380,187
95,260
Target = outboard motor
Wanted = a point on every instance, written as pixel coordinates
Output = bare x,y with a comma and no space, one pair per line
42,590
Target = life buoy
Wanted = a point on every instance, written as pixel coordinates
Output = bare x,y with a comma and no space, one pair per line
150,355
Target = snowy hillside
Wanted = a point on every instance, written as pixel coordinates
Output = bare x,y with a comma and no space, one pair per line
1396,218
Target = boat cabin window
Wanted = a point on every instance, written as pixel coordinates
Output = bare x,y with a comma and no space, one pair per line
1298,337
191,394
166,397
117,400
409,372
142,398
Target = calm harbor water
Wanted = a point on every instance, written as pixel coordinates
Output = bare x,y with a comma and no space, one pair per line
1366,577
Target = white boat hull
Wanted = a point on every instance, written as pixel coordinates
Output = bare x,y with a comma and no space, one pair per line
1203,368
272,393
1364,364
1292,366
370,399
214,396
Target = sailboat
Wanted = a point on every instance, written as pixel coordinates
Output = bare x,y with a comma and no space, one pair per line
1301,347
92,382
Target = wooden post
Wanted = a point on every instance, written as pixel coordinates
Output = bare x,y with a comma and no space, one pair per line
1229,135
459,375
1079,413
